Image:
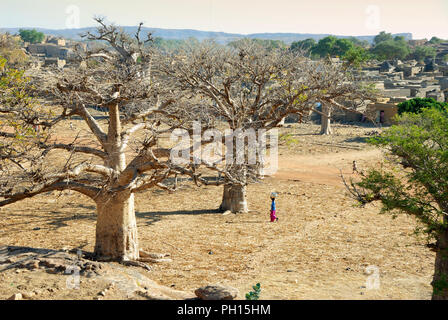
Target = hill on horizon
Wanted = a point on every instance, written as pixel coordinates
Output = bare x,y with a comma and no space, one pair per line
183,34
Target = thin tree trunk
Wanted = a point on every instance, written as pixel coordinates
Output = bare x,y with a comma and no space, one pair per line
440,279
325,126
234,198
116,228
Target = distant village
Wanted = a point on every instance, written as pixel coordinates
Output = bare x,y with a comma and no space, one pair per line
399,81
396,80
54,51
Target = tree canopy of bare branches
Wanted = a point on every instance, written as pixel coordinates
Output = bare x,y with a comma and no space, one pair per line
112,158
250,86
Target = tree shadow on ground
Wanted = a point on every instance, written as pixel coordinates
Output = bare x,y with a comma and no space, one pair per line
357,139
54,218
61,222
153,217
305,134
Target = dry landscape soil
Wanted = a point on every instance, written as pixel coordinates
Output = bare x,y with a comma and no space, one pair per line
322,247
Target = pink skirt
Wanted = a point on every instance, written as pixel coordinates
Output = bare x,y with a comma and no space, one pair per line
273,217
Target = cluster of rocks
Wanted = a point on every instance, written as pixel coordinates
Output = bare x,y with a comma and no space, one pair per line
52,261
127,280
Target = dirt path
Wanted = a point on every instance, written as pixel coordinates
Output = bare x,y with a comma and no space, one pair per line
324,169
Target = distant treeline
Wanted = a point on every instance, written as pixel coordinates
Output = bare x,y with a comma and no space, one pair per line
352,50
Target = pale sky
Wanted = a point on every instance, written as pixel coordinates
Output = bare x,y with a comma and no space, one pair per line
423,19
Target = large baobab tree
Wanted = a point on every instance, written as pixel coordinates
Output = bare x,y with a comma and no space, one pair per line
116,79
251,87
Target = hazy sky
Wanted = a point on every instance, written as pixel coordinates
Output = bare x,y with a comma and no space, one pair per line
342,17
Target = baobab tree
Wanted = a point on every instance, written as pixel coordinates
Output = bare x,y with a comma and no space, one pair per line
115,78
251,87
355,104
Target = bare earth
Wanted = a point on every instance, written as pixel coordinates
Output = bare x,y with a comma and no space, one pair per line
319,249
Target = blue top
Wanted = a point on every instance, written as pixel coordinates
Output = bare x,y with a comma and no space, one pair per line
273,204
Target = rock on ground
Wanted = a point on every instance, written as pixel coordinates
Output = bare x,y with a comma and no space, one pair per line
16,296
216,292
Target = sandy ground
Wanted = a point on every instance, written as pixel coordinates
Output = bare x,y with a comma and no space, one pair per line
320,248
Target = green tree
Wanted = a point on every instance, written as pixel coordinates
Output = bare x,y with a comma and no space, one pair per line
341,47
415,181
324,46
356,57
435,40
417,105
332,46
391,49
422,52
19,112
382,36
445,58
358,42
31,36
305,45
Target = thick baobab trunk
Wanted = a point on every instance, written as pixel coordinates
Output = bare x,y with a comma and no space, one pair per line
234,198
325,126
116,228
440,279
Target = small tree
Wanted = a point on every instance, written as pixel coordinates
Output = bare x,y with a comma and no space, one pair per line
31,36
341,47
416,181
359,43
324,47
305,45
417,105
435,40
422,52
18,115
391,49
382,36
356,57
445,58
332,46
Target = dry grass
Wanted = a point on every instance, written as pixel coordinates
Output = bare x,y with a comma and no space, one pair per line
319,249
